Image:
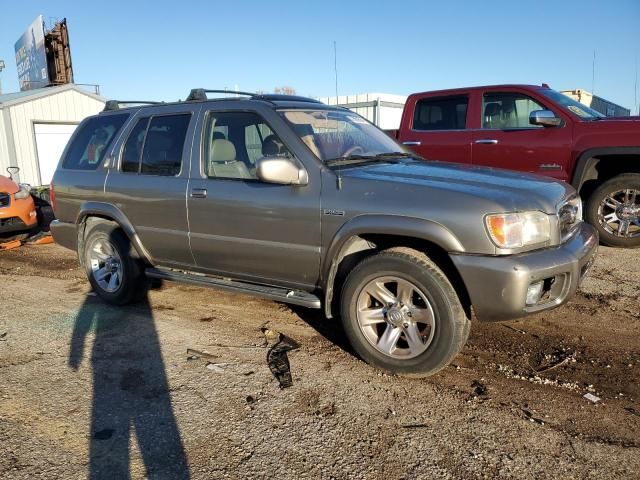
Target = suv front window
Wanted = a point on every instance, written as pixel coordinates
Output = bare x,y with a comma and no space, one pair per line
334,135
234,141
571,105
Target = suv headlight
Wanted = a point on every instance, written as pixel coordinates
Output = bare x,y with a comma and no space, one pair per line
24,192
517,230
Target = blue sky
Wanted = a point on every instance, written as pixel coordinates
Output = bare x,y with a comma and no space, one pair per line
161,49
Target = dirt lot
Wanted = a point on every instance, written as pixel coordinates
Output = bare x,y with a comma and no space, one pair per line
91,390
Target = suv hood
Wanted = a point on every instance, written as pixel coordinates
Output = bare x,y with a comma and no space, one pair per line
513,191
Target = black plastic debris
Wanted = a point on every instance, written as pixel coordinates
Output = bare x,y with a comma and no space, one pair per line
104,434
277,358
479,389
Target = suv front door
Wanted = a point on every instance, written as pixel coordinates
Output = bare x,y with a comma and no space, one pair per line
240,226
437,129
506,139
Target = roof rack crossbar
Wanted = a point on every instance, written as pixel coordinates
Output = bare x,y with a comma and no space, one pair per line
115,104
201,94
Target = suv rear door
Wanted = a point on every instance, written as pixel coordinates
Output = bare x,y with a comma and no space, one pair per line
435,127
240,226
505,138
148,180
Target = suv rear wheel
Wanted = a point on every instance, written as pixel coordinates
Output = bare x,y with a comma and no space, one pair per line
113,272
402,314
614,209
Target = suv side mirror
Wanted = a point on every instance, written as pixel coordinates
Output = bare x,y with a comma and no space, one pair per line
281,170
546,118
12,171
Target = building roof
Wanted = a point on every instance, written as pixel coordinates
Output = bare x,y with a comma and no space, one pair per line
9,99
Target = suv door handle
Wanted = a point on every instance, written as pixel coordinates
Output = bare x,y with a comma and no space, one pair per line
487,141
412,143
199,193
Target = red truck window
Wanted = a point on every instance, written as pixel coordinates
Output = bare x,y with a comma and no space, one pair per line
449,113
508,110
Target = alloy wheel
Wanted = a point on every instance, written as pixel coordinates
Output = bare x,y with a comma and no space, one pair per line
396,317
106,265
619,213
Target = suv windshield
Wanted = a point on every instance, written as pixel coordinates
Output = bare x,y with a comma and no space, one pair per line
342,137
571,105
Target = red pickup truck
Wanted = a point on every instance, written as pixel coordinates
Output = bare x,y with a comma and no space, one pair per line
536,129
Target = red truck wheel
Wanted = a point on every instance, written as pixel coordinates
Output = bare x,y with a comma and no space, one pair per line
614,209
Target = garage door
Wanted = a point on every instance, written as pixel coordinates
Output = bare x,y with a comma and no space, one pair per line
51,138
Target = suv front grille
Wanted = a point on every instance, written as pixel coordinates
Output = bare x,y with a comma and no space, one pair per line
569,217
5,199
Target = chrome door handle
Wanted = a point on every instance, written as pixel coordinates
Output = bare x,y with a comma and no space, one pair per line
199,193
412,143
487,141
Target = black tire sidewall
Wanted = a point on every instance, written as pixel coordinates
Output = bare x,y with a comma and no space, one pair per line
130,269
449,328
620,182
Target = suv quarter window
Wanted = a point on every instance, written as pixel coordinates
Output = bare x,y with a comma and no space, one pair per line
90,144
232,143
441,113
155,145
508,110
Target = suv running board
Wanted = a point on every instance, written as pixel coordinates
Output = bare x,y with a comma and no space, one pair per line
279,294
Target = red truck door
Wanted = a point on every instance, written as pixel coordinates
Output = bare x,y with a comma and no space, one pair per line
435,127
505,138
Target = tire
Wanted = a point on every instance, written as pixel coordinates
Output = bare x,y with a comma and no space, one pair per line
111,265
437,316
614,209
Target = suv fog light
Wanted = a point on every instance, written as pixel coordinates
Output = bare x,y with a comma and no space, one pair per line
534,292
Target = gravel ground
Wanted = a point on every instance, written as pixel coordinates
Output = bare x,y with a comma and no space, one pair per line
88,390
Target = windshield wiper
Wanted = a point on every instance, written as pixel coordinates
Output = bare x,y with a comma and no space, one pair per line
351,159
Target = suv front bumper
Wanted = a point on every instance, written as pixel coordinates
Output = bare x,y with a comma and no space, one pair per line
498,285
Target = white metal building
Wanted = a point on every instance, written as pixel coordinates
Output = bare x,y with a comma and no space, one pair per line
35,126
599,104
381,109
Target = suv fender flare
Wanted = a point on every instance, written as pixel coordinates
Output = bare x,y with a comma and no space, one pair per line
587,162
114,214
348,240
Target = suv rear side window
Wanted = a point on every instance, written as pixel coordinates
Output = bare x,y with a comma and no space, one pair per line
155,145
91,143
449,113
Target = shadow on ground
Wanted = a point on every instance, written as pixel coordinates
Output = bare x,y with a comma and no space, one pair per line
130,392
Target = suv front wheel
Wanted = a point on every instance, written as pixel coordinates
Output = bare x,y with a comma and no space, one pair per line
402,314
614,209
114,274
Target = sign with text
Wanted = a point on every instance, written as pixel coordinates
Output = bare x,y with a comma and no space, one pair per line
31,57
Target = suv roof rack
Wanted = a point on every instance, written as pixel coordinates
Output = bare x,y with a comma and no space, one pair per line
199,94
116,104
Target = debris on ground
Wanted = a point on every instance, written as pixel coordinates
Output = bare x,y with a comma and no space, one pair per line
195,354
10,245
479,390
40,238
591,397
632,411
217,367
3,336
556,362
277,358
104,434
514,329
529,416
415,425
